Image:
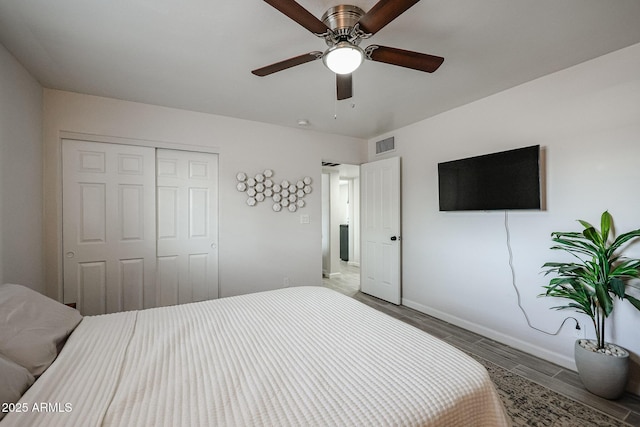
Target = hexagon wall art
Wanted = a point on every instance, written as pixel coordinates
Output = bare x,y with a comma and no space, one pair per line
285,194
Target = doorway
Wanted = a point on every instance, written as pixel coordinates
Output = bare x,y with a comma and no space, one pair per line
341,227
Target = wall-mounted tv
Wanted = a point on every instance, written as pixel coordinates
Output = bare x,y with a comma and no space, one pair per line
498,181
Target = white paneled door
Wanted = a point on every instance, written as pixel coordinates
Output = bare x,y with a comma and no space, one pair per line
380,229
140,226
187,226
108,226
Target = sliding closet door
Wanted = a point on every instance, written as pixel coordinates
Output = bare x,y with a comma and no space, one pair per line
187,226
109,236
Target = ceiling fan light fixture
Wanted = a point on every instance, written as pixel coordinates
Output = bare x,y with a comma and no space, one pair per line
343,58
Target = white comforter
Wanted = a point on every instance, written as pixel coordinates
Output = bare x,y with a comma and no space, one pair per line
298,356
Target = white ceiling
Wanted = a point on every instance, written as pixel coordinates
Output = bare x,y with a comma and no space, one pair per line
197,55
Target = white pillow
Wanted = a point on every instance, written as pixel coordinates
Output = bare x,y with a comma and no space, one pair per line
33,327
15,381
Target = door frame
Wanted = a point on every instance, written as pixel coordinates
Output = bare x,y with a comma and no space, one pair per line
354,228
52,249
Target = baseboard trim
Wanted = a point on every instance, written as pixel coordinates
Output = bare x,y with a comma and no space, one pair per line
633,386
564,361
331,275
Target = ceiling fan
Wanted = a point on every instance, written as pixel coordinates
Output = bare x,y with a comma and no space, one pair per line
343,27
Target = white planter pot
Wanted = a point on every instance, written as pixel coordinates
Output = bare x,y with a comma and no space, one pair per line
602,374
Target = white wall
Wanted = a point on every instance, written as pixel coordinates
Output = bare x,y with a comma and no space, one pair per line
335,216
455,265
258,247
354,223
20,175
343,202
326,225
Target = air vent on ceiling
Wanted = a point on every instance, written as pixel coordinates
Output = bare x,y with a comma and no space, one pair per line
385,145
329,164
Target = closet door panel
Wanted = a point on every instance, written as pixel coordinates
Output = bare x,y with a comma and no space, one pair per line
132,283
131,208
140,226
168,271
188,224
92,287
198,265
108,226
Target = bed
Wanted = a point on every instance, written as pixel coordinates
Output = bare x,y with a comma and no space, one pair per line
304,356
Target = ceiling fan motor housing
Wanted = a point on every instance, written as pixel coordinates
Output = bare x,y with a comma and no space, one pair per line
341,20
343,27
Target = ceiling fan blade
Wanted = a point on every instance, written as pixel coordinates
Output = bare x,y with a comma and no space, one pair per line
382,13
344,86
299,14
404,58
287,63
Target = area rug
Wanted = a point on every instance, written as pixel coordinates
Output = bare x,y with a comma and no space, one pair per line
530,404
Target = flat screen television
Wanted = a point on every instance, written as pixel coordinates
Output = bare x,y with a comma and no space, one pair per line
498,181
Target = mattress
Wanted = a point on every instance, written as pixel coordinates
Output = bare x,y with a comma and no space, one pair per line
305,356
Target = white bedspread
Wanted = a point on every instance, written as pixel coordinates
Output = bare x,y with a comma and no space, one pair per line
298,356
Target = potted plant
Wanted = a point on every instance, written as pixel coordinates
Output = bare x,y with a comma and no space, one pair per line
591,281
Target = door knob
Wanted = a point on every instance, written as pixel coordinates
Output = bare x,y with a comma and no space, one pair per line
394,238
70,254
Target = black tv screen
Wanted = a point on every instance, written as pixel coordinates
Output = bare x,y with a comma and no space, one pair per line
497,181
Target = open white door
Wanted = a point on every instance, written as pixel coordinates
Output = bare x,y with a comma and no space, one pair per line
380,229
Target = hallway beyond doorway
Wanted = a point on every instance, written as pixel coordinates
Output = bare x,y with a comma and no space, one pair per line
347,282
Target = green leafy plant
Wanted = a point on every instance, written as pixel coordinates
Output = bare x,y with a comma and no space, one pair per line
598,276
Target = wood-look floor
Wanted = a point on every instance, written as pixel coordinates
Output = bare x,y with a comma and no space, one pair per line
547,374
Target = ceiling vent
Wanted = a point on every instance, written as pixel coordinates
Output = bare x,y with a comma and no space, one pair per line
385,145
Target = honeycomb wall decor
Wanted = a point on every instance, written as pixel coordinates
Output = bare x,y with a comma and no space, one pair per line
263,186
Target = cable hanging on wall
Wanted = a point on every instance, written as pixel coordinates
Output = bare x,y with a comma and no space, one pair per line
513,283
